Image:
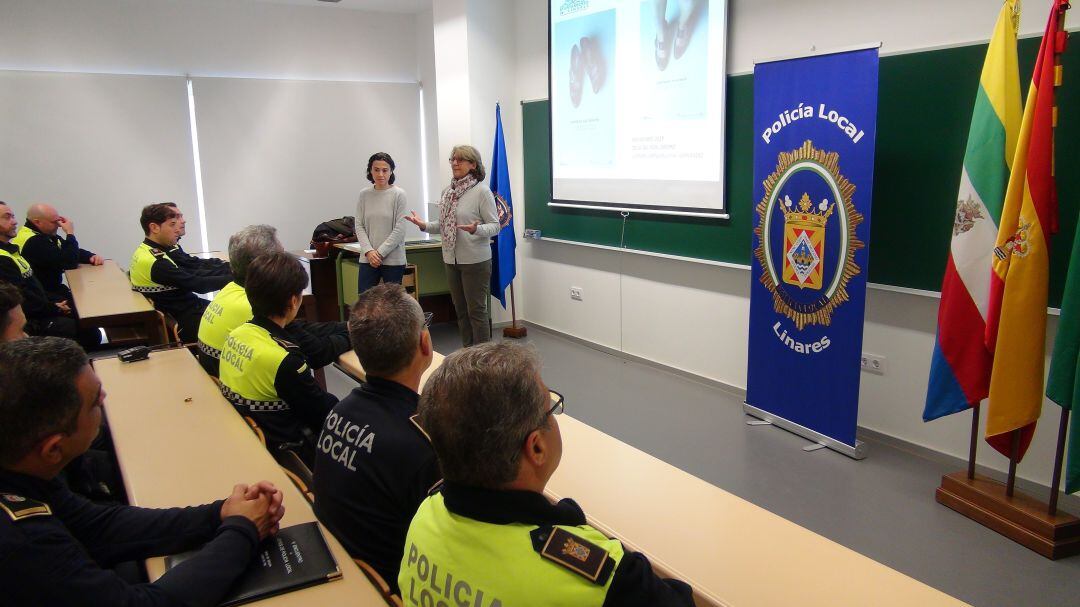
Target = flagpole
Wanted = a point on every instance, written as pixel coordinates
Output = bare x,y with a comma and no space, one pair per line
1059,456
1014,455
974,440
514,331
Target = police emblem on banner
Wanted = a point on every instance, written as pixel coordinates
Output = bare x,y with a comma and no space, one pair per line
806,238
503,211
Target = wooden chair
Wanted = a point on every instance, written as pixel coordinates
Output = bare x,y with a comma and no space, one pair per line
379,582
411,281
290,462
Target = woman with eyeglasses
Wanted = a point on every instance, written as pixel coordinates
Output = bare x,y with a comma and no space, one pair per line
380,231
467,221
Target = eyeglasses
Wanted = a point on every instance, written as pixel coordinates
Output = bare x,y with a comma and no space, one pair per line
558,404
458,159
428,317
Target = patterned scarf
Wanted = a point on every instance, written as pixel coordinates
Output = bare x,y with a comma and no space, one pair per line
448,208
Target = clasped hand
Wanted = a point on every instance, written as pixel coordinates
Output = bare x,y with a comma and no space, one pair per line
260,503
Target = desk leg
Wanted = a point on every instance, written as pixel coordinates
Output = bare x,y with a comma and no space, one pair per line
154,330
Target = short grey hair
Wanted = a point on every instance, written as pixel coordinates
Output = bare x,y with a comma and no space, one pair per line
249,243
40,395
471,154
478,407
384,328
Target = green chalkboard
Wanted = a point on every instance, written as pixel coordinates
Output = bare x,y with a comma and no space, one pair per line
924,108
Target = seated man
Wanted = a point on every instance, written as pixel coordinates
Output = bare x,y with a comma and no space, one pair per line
189,261
367,496
44,316
12,319
56,546
49,254
321,342
263,374
492,422
156,275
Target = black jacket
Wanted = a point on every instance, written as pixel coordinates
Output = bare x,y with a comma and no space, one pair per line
307,402
36,302
49,256
187,280
373,467
55,547
190,262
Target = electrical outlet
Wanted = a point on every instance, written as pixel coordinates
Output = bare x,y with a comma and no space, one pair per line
575,293
872,363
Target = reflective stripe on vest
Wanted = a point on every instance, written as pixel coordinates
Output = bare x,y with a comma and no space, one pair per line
455,560
249,364
255,406
22,236
228,310
20,263
141,261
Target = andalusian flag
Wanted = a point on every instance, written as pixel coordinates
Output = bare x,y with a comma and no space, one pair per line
1016,326
1063,387
960,367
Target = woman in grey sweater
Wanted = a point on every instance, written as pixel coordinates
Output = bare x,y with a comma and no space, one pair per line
467,221
380,225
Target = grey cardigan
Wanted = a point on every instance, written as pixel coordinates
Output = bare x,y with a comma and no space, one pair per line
475,205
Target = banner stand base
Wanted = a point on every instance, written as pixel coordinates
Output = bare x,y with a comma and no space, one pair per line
856,452
1021,518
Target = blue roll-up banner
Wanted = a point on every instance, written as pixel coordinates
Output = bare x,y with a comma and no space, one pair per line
814,125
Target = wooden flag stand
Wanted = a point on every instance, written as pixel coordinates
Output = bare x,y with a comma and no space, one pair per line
514,331
1019,517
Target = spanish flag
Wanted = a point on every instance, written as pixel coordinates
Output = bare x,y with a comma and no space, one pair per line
1016,323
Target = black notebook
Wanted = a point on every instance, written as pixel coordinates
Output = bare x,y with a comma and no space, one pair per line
295,558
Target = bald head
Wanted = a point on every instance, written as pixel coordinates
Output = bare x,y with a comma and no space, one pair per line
44,217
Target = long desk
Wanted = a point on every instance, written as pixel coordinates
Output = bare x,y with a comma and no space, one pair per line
186,445
103,298
350,365
732,552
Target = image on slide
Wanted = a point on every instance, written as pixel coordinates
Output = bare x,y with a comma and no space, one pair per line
583,67
674,59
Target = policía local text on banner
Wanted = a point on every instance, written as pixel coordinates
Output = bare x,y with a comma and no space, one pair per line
806,110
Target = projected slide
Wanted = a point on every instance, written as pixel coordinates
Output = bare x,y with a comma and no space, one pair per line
637,105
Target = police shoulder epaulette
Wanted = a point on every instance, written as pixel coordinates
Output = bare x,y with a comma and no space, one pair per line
575,553
157,252
19,507
415,419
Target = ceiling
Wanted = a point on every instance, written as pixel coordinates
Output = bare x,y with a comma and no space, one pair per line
383,6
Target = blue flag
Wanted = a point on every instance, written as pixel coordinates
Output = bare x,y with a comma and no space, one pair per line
503,266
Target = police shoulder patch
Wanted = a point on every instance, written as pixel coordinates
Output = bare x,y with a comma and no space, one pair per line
19,507
157,253
575,553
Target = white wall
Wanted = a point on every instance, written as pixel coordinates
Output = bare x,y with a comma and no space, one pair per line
694,316
207,38
211,38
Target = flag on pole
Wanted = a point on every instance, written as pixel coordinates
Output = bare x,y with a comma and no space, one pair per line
1016,324
960,366
503,264
1063,386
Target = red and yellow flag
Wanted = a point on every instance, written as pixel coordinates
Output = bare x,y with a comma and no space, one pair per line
1016,323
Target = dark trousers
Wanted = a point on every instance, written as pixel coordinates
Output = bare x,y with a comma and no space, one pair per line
470,290
369,276
187,321
65,326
